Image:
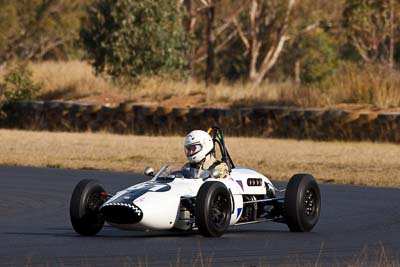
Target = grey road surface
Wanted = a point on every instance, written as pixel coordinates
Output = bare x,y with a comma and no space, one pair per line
357,225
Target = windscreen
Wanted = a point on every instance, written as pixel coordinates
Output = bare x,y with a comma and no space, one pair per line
170,172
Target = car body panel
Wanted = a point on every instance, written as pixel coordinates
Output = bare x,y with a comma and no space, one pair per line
156,204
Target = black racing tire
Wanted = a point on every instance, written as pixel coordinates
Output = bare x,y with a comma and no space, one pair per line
302,203
213,209
84,207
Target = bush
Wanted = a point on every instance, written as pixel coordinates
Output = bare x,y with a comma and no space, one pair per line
319,59
18,85
134,38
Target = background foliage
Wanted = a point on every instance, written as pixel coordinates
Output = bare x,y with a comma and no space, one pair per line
18,85
132,38
311,44
39,29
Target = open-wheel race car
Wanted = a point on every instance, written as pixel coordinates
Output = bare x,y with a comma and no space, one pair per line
187,198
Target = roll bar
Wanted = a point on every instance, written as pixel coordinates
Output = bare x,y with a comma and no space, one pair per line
218,137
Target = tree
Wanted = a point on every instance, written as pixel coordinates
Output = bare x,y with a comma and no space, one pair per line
370,26
248,37
210,39
189,20
134,38
260,11
210,27
315,57
32,29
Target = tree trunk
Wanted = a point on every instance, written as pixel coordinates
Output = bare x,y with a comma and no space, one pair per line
391,34
190,6
255,45
210,42
271,59
258,73
297,71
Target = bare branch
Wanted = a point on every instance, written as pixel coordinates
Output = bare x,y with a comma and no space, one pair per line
361,51
241,34
272,55
310,27
229,21
205,3
220,47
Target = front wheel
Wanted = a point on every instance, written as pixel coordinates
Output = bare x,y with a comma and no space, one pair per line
84,207
213,209
302,203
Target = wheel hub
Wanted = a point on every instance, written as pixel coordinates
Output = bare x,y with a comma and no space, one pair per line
219,211
309,201
94,202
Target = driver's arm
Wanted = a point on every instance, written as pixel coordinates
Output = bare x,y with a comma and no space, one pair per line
223,169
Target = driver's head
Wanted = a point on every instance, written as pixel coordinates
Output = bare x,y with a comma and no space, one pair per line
198,144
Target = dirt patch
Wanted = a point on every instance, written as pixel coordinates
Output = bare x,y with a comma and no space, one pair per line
363,108
106,99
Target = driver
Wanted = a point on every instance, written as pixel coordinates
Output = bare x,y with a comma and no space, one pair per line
199,150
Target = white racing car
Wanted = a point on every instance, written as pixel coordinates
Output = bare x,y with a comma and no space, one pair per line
186,198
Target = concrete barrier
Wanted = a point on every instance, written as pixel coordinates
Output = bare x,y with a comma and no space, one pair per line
279,122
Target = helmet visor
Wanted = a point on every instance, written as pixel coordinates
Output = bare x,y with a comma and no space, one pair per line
192,149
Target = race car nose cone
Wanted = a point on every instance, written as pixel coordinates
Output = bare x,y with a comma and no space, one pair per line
121,213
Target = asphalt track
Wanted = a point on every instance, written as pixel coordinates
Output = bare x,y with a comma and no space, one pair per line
357,225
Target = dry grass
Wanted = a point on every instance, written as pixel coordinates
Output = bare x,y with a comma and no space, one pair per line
222,94
69,80
366,86
338,162
77,80
377,85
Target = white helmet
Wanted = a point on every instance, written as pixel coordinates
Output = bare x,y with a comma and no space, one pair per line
198,144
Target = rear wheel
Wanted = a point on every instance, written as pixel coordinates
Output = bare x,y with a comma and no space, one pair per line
302,203
213,209
84,207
